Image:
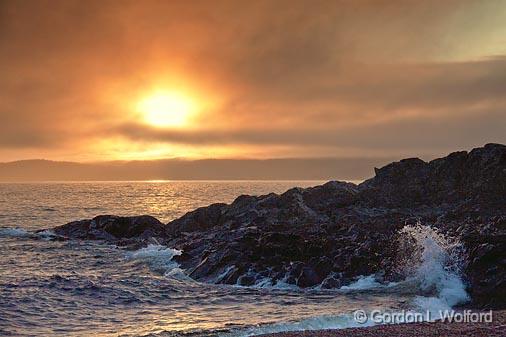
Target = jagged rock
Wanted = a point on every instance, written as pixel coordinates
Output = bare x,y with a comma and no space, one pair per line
200,219
338,231
486,269
113,228
479,175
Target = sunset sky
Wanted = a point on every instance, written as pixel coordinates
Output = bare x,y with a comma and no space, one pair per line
121,80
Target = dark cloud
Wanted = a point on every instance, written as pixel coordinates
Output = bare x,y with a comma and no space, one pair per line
420,133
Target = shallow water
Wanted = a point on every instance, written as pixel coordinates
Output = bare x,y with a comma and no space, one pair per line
81,288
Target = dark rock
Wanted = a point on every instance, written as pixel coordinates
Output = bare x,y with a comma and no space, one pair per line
332,282
323,267
113,228
335,232
295,269
308,278
479,174
486,270
246,280
198,220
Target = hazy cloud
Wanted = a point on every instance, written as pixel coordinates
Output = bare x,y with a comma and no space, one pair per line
417,133
370,76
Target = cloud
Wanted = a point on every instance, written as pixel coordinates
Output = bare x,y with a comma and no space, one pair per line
363,75
420,133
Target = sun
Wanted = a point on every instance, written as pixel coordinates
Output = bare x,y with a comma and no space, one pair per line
167,109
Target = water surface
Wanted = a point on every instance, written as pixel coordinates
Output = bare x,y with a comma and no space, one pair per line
79,288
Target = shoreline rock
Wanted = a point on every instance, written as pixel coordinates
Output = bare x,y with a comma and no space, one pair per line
113,228
333,233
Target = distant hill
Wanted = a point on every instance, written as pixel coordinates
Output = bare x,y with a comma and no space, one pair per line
207,169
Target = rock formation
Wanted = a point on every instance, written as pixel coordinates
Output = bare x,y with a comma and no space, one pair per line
329,234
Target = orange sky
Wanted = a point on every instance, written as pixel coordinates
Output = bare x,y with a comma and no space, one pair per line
105,80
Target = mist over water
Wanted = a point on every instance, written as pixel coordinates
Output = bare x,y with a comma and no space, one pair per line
81,288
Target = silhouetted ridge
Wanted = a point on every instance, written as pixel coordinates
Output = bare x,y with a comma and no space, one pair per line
477,175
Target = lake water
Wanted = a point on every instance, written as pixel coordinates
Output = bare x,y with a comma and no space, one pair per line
79,288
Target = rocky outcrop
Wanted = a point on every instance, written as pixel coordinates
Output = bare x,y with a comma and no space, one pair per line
329,234
113,228
486,269
477,176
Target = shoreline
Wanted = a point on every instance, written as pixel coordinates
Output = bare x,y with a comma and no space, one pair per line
497,328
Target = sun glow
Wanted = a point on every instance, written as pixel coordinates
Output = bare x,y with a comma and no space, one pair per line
167,109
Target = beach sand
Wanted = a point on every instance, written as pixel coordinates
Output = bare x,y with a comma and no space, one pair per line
443,329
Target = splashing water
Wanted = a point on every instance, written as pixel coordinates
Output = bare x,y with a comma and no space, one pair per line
434,262
157,257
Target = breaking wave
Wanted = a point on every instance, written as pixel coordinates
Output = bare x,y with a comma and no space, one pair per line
158,258
434,262
324,322
432,265
365,283
430,262
15,232
7,232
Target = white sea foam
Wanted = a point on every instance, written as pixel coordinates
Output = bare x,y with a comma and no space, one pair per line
312,323
363,283
157,257
432,264
14,232
283,285
435,263
178,274
47,234
268,283
225,273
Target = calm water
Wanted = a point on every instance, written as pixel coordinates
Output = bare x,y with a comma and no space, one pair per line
77,288
42,205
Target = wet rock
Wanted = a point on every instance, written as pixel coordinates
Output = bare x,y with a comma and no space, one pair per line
246,280
323,267
338,231
486,270
308,278
332,282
